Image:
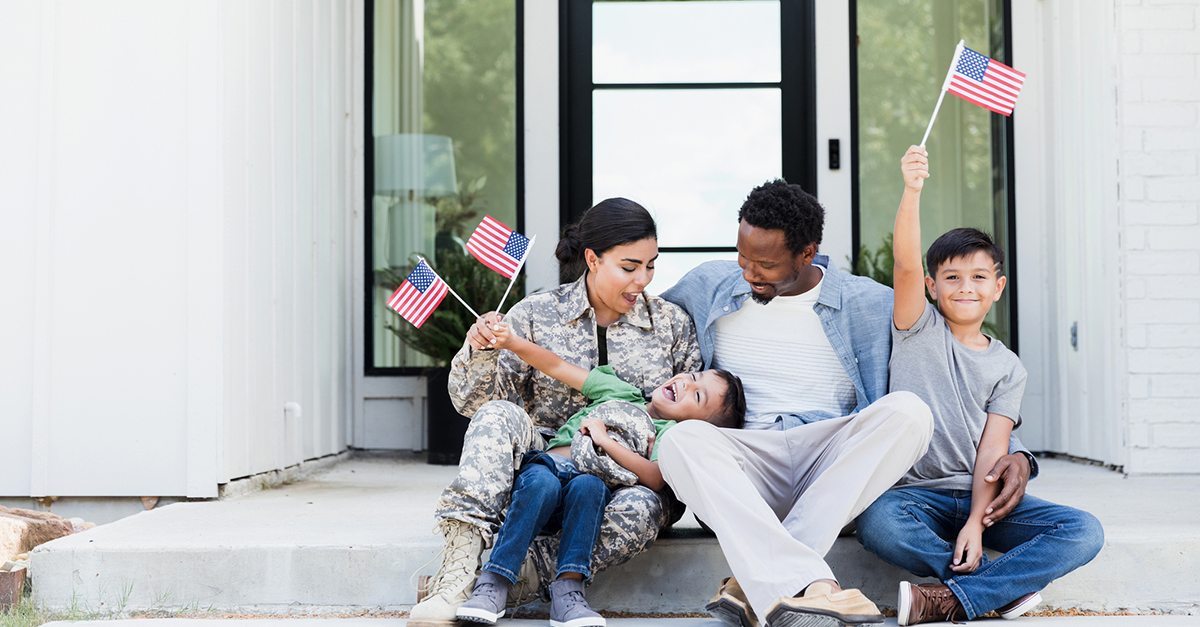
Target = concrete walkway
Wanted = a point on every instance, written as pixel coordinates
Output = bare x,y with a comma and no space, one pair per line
1032,621
351,537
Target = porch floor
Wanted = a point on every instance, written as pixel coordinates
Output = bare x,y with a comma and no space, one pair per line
349,538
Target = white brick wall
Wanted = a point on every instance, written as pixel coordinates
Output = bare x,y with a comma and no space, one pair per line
1159,112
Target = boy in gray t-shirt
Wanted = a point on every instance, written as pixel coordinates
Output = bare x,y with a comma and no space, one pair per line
931,522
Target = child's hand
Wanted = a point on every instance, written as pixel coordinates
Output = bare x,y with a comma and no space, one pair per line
970,542
504,336
915,168
595,428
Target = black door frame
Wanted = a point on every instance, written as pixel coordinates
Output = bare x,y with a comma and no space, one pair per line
797,85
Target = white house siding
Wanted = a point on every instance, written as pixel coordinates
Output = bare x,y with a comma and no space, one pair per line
1159,68
176,184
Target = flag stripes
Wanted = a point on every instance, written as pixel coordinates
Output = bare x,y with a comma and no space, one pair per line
986,82
418,295
498,247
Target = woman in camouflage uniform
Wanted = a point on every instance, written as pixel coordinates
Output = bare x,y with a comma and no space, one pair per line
603,316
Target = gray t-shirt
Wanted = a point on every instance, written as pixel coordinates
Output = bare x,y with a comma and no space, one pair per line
961,386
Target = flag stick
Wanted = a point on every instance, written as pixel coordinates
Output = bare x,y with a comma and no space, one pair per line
518,271
945,85
464,303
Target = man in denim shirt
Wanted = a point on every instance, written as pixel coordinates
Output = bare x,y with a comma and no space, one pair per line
823,438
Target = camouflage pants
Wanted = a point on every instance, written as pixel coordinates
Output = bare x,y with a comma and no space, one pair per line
498,437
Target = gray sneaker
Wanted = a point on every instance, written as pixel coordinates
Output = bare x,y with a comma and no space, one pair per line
568,608
486,604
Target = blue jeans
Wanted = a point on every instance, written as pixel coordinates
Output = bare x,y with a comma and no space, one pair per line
549,493
916,528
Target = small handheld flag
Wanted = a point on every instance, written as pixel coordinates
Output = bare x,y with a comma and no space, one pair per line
419,294
979,80
498,247
986,82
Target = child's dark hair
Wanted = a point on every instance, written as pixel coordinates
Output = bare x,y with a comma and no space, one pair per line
733,407
960,243
788,208
610,223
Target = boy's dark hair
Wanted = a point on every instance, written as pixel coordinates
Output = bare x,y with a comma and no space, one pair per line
788,208
733,407
960,243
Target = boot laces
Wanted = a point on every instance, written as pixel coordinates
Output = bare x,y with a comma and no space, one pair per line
455,554
942,604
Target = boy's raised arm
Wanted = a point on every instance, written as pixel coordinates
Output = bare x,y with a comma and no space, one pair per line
544,360
908,277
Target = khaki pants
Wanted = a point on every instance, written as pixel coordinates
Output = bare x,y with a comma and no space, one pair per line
777,499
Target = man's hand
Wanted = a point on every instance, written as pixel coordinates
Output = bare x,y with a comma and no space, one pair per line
1012,471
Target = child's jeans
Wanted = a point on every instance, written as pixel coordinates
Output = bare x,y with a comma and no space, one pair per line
916,529
550,493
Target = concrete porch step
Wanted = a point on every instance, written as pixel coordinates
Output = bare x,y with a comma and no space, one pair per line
351,537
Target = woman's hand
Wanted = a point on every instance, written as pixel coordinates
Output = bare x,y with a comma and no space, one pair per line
595,428
480,335
968,549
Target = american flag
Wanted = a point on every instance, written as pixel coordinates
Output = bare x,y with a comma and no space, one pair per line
418,295
985,82
498,247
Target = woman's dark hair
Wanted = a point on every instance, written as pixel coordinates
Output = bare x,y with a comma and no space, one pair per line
733,408
960,243
610,223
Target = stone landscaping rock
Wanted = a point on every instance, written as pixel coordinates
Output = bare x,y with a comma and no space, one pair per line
22,529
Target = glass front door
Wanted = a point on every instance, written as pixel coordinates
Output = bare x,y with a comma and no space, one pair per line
903,50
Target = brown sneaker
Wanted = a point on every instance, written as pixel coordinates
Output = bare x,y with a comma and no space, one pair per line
1020,606
730,605
928,602
822,607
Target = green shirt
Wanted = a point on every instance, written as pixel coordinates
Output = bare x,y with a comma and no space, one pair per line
602,385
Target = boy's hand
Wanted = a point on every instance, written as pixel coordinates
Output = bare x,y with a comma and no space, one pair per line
968,549
915,168
504,336
480,334
595,428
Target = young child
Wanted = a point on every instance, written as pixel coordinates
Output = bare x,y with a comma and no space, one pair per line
932,523
550,491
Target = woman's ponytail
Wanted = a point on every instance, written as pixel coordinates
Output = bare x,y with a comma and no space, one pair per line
612,222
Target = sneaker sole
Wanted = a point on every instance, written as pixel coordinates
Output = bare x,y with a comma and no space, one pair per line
904,604
579,622
729,612
1017,611
478,615
796,617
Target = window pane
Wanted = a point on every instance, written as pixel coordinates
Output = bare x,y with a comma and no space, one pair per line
444,104
685,42
671,267
689,156
903,54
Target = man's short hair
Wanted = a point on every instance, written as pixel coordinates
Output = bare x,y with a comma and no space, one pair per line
961,243
788,208
733,407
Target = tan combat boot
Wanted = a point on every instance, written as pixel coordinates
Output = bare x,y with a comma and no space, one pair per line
452,584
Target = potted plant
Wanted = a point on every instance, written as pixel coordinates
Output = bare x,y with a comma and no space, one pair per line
442,335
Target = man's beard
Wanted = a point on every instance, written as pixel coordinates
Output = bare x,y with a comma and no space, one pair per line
760,299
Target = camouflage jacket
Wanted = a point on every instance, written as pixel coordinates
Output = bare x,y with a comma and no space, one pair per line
646,346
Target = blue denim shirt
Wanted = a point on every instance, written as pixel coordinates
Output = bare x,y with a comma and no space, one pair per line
856,313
